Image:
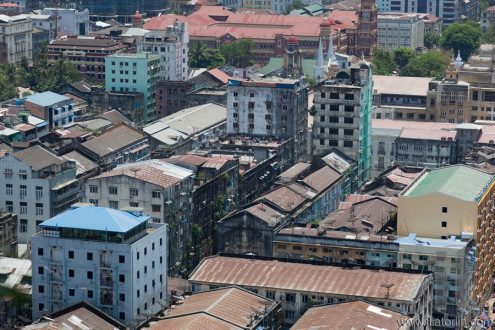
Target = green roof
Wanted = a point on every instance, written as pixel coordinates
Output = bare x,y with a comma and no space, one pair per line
278,62
457,181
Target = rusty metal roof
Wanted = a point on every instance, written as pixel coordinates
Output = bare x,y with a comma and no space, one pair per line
301,277
349,315
231,306
322,179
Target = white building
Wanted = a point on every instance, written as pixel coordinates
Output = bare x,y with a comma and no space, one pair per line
115,260
71,21
56,109
161,189
448,10
399,30
173,47
36,185
16,33
451,261
45,23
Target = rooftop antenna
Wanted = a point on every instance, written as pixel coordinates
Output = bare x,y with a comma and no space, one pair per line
387,286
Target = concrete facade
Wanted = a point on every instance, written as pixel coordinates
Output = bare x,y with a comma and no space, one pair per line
71,21
343,107
396,30
173,47
448,10
134,73
16,38
122,278
269,108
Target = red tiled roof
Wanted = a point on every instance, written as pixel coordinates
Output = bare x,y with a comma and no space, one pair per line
8,4
422,134
216,21
220,75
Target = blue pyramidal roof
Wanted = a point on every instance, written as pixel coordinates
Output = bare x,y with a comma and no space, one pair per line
96,218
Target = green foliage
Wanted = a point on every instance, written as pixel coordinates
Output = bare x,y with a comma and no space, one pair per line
431,40
202,57
295,4
464,37
383,63
488,36
428,64
26,93
402,56
7,86
238,53
311,82
312,110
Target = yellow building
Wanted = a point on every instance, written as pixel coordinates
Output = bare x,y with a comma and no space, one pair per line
452,201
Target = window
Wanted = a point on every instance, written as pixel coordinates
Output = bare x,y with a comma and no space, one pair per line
290,315
41,307
90,275
334,107
133,192
93,189
348,120
23,190
41,288
8,189
41,270
133,204
8,173
122,314
161,241
121,259
39,191
270,295
348,144
71,292
113,204
251,94
89,256
444,224
10,206
23,206
90,294
153,246
24,224
334,119
40,251
290,297
71,254
121,298
155,194
22,175
71,272
146,269
444,209
112,190
349,132
146,288
137,274
423,257
155,208
137,294
39,208
145,251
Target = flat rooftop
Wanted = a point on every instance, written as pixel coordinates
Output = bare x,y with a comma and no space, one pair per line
397,85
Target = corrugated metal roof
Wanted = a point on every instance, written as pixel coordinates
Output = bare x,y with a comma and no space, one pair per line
46,99
113,139
301,277
322,179
350,315
96,218
38,157
231,305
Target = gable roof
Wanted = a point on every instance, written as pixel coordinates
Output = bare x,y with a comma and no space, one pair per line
322,179
38,157
113,139
96,218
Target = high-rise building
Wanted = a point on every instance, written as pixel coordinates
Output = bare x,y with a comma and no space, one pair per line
38,185
448,10
399,30
70,21
173,47
123,8
134,73
267,108
115,260
343,105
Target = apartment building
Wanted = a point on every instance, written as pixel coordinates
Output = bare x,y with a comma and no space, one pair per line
115,260
56,109
270,107
38,185
452,262
448,101
86,53
16,38
172,45
487,18
294,283
400,30
449,202
45,23
139,72
448,10
343,105
160,189
8,234
70,21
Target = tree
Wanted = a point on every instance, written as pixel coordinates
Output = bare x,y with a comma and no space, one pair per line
7,87
214,59
64,72
295,4
464,37
383,63
488,36
428,64
432,40
412,69
402,56
238,53
197,55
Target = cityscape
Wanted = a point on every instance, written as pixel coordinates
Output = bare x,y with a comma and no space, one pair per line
247,164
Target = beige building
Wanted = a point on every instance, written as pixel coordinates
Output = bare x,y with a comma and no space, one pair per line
298,285
487,18
15,38
400,30
454,201
448,101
